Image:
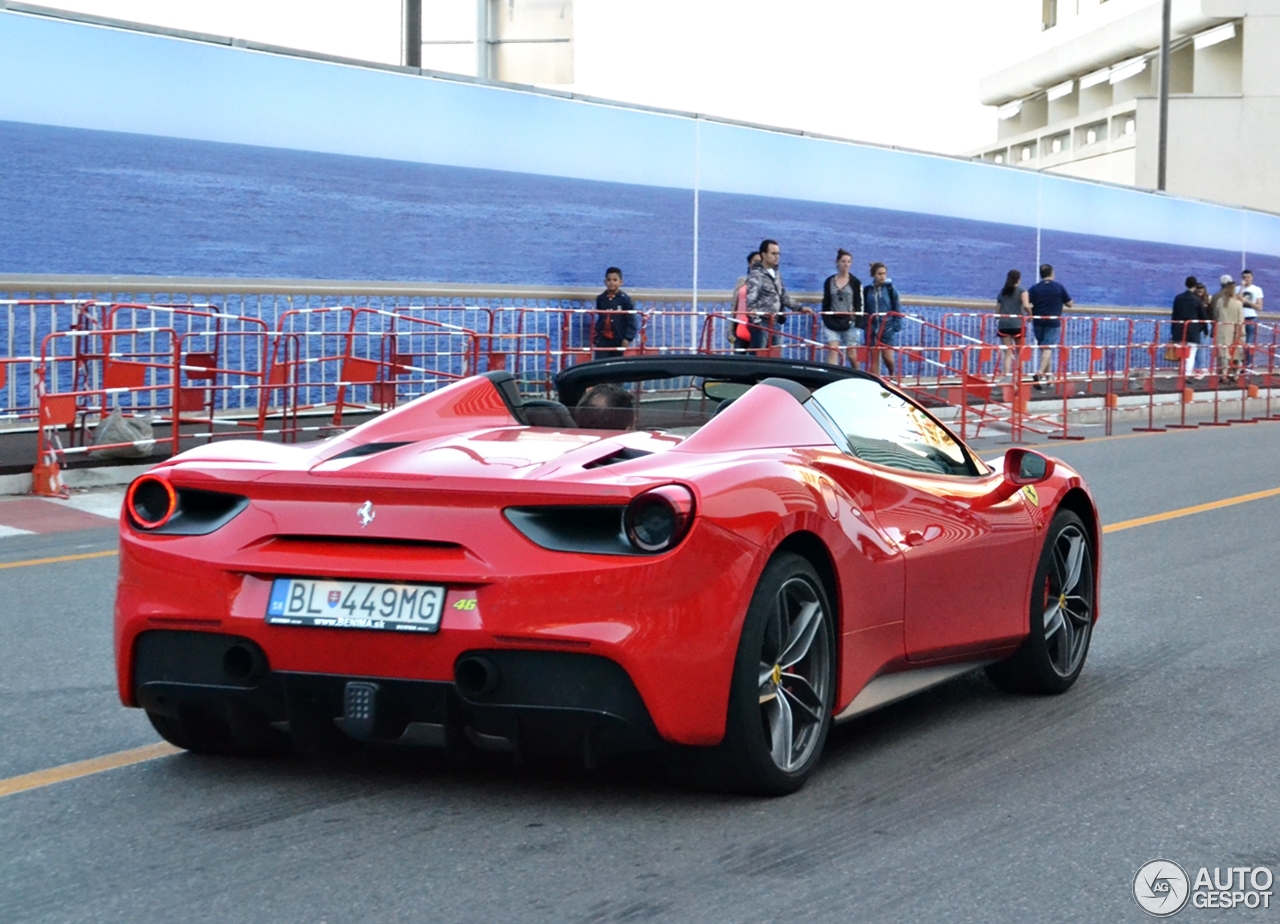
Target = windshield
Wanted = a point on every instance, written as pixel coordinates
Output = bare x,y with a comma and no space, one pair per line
885,428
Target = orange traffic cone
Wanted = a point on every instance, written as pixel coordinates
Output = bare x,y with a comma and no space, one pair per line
46,477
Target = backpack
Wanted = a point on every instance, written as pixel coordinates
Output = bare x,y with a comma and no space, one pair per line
741,330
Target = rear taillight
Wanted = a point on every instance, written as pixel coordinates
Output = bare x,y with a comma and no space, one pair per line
150,502
657,520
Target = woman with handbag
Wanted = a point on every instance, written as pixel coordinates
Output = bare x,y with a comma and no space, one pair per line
1012,308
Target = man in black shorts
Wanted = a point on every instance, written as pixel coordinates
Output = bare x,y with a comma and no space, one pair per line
1047,298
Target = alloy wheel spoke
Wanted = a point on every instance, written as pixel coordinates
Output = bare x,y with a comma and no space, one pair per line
766,675
775,633
1058,571
1053,620
780,731
1079,616
1074,563
802,634
803,700
1066,647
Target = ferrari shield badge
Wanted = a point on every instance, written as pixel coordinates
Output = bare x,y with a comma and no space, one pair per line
366,513
1030,492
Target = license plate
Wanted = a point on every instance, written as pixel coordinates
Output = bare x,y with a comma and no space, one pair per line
355,605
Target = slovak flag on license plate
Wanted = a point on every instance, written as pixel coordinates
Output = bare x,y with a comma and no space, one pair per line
334,597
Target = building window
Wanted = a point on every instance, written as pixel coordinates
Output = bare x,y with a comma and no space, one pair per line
1056,146
1026,153
999,158
1049,13
1129,126
1091,136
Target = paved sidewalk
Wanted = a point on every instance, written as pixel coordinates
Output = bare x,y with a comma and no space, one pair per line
22,516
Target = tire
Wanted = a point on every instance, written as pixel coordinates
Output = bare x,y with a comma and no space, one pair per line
1061,614
783,687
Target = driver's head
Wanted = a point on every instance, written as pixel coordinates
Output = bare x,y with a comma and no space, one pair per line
606,407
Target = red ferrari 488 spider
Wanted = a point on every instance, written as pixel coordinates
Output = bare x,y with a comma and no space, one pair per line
716,556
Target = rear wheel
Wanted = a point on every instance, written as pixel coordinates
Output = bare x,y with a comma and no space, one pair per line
1062,602
783,685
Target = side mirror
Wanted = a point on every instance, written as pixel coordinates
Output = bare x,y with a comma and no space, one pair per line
1022,467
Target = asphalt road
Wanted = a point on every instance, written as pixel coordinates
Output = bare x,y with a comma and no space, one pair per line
963,804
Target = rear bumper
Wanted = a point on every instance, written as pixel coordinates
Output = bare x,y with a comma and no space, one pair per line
670,623
532,700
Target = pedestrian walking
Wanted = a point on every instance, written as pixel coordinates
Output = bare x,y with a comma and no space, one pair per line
841,304
1187,328
1012,309
1228,318
1048,298
884,319
767,297
1251,295
615,327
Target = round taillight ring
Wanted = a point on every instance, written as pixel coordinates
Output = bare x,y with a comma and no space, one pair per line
151,502
657,520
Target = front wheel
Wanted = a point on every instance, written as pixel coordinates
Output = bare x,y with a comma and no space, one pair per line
1061,617
783,687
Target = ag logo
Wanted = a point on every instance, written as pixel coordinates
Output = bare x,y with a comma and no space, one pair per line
1161,888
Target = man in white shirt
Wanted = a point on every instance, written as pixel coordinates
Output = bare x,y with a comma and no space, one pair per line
1251,295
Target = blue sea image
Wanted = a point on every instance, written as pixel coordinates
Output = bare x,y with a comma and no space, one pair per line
78,201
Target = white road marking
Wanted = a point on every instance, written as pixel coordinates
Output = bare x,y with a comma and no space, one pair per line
6,531
104,503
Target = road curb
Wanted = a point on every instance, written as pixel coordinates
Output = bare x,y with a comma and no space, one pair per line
101,477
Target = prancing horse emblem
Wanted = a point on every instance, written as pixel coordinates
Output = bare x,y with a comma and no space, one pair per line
366,513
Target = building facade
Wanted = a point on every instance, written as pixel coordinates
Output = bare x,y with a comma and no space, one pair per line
1084,101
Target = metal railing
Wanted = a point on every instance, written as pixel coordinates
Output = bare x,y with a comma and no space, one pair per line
208,358
32,307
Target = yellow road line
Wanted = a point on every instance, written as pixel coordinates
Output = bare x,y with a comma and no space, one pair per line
81,768
57,558
1187,511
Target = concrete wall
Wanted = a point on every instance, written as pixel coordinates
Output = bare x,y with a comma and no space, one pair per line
1115,167
1222,148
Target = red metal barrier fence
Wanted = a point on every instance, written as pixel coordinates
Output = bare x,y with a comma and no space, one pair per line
196,372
